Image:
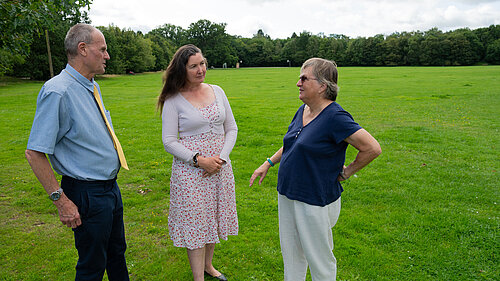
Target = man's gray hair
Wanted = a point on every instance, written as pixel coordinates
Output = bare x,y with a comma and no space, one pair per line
80,32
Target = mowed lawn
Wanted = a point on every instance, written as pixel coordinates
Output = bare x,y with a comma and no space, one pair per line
426,209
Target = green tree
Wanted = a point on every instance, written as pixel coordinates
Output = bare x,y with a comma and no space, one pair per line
176,35
290,52
138,53
114,40
373,50
493,52
435,48
238,44
414,50
214,42
465,47
313,46
366,51
334,48
395,48
129,51
162,49
296,48
461,51
38,55
22,21
487,36
355,52
260,34
165,39
260,50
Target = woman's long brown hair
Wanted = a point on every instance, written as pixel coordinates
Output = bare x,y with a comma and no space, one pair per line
175,75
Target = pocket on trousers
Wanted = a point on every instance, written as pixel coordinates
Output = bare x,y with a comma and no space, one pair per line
82,203
79,197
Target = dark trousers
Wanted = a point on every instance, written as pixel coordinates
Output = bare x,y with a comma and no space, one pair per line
100,239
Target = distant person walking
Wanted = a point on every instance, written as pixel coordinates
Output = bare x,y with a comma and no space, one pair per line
199,130
312,166
72,126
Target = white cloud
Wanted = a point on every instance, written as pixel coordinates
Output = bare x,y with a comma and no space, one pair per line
281,18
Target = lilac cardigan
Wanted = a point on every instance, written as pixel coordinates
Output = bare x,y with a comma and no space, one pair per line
180,118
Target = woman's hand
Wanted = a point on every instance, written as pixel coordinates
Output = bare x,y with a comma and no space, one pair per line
368,147
260,172
210,165
342,176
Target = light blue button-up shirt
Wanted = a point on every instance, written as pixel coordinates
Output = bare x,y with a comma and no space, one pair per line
69,127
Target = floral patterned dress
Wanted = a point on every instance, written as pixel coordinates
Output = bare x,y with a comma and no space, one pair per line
202,210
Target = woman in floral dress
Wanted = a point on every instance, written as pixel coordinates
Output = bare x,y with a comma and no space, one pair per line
199,130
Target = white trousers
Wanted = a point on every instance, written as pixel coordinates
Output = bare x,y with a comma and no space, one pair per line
306,239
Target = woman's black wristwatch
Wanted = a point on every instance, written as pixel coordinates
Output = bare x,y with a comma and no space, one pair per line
195,159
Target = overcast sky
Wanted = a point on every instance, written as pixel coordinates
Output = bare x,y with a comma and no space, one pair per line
280,18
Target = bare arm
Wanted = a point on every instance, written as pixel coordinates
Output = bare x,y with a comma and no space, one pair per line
68,212
368,148
262,170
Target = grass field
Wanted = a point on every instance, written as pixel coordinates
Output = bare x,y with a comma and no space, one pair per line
426,209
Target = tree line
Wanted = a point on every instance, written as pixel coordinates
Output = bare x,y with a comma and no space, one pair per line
135,52
24,24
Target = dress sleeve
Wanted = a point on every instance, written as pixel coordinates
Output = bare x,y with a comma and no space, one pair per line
170,132
230,130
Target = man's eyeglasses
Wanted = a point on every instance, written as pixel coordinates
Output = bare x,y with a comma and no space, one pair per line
304,78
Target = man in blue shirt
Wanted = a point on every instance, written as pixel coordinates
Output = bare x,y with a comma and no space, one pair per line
70,128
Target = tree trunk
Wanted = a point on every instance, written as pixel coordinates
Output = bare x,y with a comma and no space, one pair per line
49,54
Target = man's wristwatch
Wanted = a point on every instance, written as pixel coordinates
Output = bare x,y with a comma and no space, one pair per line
54,196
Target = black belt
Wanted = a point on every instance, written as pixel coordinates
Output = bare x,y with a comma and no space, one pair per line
91,183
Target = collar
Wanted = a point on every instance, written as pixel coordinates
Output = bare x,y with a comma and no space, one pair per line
86,83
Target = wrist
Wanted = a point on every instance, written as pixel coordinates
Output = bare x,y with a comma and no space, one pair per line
62,201
56,194
270,162
195,159
343,175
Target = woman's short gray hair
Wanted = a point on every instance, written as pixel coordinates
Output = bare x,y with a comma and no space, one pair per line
326,73
80,32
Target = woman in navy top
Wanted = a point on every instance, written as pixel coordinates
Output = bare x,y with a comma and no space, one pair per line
312,166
